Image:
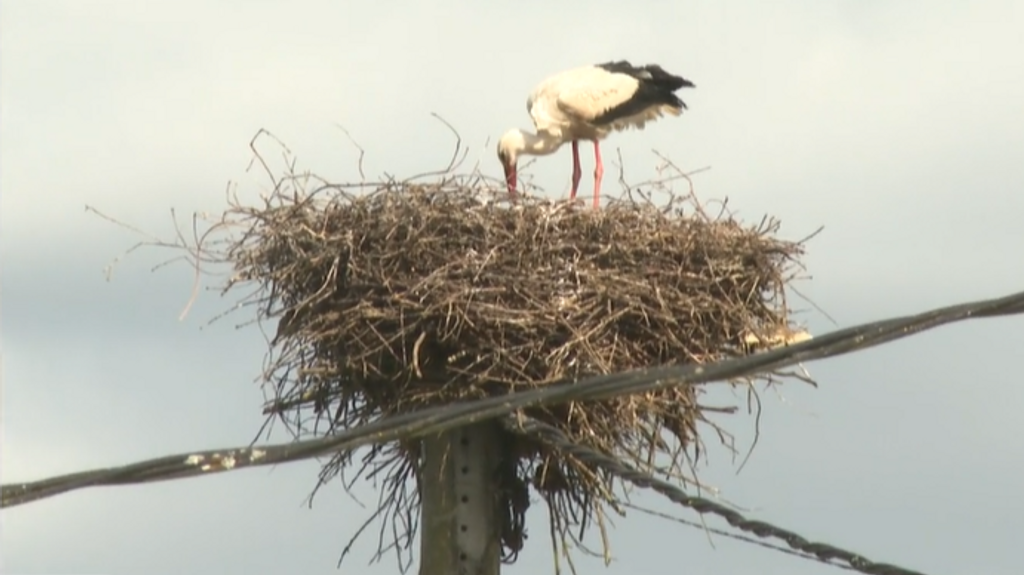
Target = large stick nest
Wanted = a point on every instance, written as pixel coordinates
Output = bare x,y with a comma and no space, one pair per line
414,295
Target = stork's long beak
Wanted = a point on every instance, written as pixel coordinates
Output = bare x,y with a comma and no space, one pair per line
510,177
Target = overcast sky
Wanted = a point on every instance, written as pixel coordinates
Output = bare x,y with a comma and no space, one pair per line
898,126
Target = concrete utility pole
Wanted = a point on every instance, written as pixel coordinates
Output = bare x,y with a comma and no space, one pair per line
459,527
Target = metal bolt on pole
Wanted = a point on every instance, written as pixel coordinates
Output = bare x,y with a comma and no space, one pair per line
459,529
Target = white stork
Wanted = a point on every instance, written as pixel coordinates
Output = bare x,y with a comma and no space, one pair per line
588,103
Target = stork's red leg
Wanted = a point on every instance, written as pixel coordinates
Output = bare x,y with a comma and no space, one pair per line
576,172
598,173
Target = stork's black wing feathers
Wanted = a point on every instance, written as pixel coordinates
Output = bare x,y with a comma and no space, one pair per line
650,73
656,86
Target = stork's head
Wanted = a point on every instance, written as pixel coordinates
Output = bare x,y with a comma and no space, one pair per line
509,147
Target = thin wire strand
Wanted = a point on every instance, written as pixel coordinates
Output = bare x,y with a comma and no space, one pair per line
731,535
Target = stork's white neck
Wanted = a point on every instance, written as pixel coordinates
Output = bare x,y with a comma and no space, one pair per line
540,144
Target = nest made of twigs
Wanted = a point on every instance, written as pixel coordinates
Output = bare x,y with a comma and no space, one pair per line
417,295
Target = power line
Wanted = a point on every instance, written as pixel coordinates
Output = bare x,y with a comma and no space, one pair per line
437,419
731,535
809,550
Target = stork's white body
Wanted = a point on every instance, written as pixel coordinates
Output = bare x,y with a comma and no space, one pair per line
565,105
588,103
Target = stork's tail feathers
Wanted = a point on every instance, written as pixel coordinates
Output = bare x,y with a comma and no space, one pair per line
665,80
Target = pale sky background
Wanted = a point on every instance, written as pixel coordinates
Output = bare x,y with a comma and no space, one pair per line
898,126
